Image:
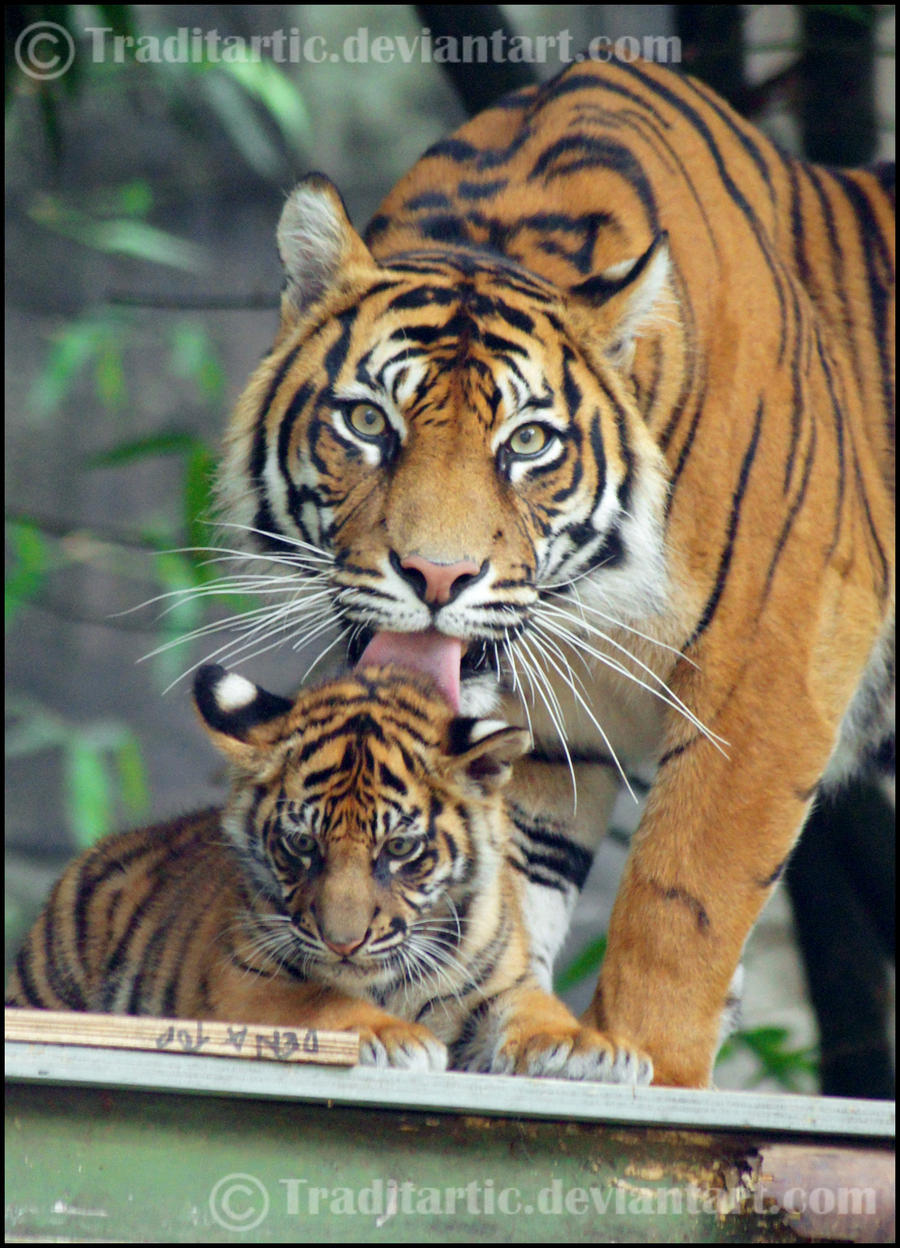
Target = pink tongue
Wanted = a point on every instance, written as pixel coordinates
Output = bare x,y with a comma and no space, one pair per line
432,652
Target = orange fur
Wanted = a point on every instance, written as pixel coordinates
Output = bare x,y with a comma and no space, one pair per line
702,331
360,878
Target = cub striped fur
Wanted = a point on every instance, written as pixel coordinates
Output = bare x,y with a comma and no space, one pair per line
362,876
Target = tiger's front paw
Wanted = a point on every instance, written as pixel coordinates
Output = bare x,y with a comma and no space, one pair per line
405,1046
572,1052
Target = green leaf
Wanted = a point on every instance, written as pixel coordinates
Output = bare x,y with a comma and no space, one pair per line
267,82
136,449
143,241
132,775
118,235
87,789
587,962
194,358
72,349
27,568
242,124
176,571
789,1067
109,377
199,499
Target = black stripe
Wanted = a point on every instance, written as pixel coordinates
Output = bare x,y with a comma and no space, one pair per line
35,995
694,118
838,415
879,276
582,151
731,532
57,969
791,515
264,519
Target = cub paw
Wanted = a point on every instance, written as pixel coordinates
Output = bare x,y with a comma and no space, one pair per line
403,1046
576,1053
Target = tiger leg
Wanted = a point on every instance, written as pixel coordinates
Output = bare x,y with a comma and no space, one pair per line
384,1039
526,1031
713,842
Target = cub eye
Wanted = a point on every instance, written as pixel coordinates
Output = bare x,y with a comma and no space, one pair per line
528,440
367,421
400,846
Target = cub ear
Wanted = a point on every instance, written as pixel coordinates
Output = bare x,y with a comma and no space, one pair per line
482,752
614,307
319,248
242,720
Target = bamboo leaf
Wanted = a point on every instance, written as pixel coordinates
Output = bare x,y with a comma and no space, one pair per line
587,962
28,567
88,796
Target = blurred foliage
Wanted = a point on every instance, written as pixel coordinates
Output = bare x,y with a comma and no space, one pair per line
103,773
585,964
262,113
793,1069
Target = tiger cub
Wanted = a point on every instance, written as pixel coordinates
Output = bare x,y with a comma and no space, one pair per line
360,877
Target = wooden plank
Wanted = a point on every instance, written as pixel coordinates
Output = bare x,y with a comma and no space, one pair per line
455,1092
198,1037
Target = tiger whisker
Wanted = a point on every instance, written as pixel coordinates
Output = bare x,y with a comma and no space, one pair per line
282,538
231,650
628,628
568,677
541,686
663,692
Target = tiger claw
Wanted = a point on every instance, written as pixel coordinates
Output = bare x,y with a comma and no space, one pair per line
402,1046
585,1055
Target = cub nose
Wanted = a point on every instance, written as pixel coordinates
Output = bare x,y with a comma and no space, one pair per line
437,582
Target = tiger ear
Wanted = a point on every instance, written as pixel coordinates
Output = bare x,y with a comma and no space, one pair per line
615,306
319,248
482,752
242,720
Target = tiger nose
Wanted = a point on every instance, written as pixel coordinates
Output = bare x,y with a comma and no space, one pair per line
344,948
441,580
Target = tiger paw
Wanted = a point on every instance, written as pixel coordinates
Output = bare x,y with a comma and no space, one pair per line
403,1046
568,1053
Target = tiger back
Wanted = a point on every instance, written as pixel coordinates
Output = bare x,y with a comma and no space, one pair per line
361,877
605,394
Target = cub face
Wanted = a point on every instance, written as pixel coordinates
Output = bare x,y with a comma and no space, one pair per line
365,816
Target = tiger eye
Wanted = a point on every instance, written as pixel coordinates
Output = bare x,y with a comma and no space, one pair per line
301,844
400,846
528,439
367,421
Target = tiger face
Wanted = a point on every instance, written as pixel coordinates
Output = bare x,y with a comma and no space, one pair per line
444,438
368,821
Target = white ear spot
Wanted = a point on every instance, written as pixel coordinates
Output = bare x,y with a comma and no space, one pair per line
234,692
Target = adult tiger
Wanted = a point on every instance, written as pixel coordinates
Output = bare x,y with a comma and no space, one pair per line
606,395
